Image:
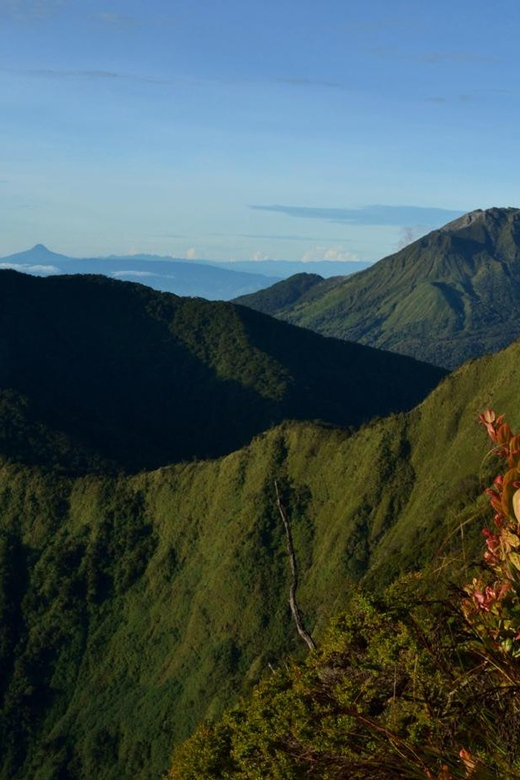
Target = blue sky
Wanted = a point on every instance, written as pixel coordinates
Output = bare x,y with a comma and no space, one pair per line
240,130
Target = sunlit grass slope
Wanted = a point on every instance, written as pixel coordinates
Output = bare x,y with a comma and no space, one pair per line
133,606
448,297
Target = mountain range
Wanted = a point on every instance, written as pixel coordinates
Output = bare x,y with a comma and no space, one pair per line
194,278
446,298
183,277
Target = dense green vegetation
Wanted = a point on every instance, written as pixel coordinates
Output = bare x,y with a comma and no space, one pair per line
379,699
98,374
134,606
402,686
446,298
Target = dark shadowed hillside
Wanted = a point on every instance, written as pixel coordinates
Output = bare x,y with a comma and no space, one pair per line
98,373
448,297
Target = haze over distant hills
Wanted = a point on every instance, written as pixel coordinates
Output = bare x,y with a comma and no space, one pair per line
195,278
182,277
450,296
286,268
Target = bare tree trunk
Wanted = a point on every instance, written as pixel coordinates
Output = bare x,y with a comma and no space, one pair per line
307,638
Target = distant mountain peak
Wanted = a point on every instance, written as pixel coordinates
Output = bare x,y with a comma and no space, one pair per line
39,253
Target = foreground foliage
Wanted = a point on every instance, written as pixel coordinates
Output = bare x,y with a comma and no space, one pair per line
397,689
401,687
493,605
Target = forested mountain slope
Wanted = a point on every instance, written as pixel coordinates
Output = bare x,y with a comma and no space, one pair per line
97,374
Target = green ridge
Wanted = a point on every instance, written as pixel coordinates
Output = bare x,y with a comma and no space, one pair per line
282,295
97,374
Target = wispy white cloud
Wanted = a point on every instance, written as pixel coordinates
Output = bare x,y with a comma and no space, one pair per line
465,98
43,270
333,254
121,21
92,75
305,82
107,76
118,274
469,97
169,235
451,57
440,57
101,75
258,255
116,20
29,10
290,237
409,234
275,237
